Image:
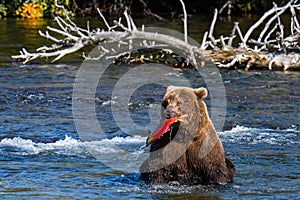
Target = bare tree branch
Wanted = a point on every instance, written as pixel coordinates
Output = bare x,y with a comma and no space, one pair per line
73,38
268,13
184,21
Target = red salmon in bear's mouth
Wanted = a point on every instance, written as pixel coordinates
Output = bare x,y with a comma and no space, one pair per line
164,128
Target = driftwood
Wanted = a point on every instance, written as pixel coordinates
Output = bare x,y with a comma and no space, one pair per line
271,49
263,52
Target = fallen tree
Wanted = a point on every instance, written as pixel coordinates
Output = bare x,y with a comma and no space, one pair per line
271,49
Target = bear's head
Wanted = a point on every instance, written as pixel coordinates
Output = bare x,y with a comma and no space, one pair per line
178,102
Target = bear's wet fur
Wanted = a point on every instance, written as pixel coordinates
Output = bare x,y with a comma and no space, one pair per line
191,153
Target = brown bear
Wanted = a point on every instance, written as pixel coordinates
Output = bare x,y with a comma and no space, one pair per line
190,152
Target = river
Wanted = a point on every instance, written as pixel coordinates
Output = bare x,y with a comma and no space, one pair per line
42,155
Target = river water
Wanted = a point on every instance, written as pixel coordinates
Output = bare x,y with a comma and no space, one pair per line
43,157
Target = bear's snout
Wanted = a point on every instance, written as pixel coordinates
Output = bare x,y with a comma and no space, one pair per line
170,112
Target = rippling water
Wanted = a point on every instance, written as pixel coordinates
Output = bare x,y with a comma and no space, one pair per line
42,156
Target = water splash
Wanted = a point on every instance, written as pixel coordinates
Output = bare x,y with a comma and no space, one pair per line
251,136
67,146
135,144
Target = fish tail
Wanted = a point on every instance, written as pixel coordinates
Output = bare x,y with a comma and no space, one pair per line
184,118
149,140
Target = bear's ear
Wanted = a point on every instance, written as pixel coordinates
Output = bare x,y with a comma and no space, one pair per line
169,88
201,92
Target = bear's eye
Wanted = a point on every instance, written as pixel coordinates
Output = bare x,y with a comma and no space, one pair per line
164,104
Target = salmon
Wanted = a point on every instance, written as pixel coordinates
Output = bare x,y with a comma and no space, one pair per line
165,127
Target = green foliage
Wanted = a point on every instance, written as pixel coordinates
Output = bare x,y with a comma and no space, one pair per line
52,10
3,12
55,11
33,8
11,6
258,5
47,8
